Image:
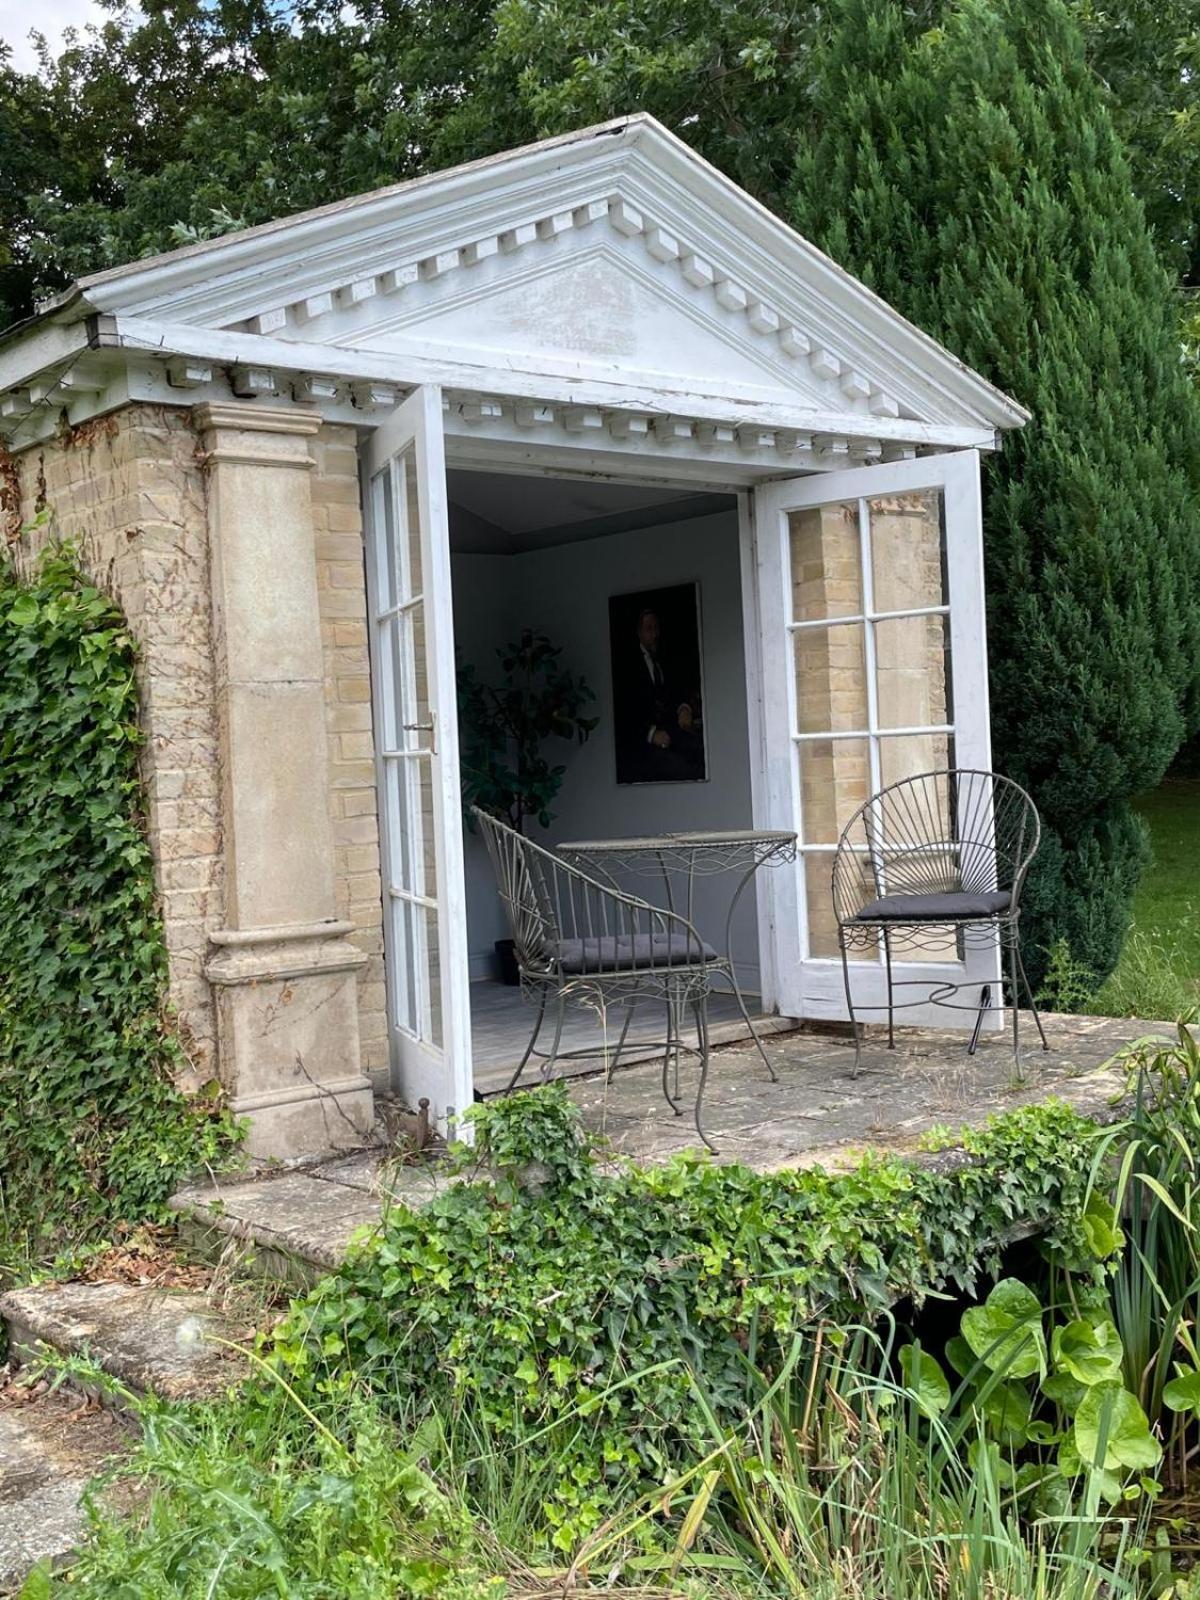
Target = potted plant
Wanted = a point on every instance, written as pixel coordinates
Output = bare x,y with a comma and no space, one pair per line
503,728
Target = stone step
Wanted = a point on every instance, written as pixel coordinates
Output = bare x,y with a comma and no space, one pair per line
299,1224
147,1339
52,1445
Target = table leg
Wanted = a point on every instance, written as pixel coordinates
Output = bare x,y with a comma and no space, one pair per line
733,978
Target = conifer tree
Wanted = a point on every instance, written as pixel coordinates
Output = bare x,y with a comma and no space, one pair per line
971,174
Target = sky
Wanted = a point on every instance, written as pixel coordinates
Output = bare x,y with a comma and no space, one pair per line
50,17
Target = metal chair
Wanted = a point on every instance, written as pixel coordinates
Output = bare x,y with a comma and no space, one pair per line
945,850
579,941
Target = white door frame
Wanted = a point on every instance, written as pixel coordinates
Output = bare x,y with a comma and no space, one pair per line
416,756
805,986
446,1075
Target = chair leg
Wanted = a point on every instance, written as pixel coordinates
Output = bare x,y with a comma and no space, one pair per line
701,1010
1037,1016
887,957
850,1005
666,1060
616,1055
1016,1006
558,1028
533,1038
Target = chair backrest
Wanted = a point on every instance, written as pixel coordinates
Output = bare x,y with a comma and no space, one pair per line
936,833
524,891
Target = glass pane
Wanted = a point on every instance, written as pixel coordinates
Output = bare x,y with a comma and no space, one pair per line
908,561
426,874
825,561
431,1031
835,779
402,958
397,586
383,516
831,678
905,755
822,921
912,671
399,835
410,533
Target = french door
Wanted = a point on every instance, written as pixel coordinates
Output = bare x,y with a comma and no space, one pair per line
869,586
416,744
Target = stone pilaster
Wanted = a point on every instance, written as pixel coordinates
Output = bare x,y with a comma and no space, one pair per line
283,969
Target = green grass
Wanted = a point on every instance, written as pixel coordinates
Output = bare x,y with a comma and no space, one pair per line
1158,976
1168,898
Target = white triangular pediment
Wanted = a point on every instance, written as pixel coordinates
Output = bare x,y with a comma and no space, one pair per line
614,254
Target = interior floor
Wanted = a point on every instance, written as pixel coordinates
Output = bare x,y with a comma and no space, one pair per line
585,562
502,1020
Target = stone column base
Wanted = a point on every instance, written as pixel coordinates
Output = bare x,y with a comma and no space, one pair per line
287,1022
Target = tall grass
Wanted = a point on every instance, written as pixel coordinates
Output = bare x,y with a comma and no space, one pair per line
1156,1287
839,1485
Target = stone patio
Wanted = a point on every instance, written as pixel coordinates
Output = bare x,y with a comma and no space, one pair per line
817,1114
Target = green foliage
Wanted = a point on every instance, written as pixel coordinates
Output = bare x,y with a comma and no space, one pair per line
574,1306
91,1125
1050,1415
1156,1288
235,1513
504,726
972,175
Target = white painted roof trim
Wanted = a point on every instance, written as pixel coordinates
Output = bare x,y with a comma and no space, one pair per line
654,167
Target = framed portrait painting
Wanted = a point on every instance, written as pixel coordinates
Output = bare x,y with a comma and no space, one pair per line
658,685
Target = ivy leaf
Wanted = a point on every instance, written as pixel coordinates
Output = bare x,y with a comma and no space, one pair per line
1090,1352
1006,1331
23,612
925,1379
1110,1412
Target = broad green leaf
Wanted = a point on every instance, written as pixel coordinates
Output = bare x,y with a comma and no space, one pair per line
1183,1391
1100,1228
1064,1390
926,1380
1090,1352
1006,1410
1006,1331
960,1357
23,612
1111,1412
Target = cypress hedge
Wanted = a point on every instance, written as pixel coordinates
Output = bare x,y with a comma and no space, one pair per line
970,173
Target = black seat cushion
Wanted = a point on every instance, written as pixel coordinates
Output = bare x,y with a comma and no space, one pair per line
623,952
958,905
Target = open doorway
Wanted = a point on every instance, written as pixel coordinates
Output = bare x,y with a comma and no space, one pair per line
621,577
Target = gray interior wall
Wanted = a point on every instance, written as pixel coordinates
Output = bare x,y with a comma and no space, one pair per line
564,592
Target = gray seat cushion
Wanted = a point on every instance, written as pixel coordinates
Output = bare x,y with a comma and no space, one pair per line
955,906
623,952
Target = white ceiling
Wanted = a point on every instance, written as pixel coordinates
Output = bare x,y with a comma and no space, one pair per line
499,513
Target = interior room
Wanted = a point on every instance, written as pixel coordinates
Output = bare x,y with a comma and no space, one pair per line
604,570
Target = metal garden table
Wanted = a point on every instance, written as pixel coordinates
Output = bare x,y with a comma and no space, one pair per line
682,858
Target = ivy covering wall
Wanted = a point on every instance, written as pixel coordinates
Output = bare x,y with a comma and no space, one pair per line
92,1127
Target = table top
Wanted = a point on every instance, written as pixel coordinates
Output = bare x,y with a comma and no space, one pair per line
652,844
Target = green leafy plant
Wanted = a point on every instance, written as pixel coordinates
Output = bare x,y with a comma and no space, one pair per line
92,1127
505,726
576,1306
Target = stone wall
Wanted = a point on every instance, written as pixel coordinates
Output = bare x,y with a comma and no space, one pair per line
129,490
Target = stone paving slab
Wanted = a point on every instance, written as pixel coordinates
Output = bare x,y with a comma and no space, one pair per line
818,1114
51,1447
306,1217
148,1339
